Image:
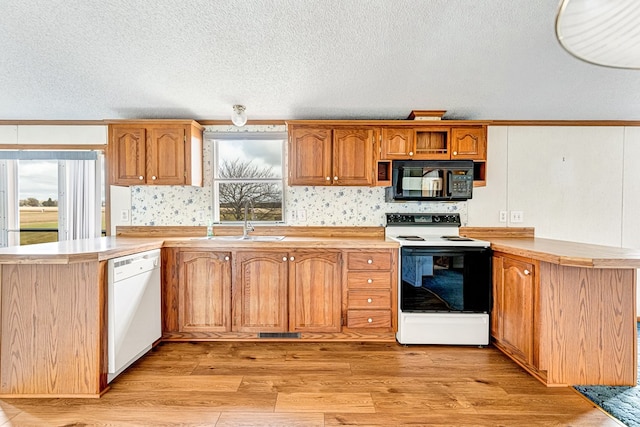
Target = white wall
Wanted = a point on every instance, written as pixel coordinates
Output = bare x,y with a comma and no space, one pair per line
568,181
487,202
631,195
120,205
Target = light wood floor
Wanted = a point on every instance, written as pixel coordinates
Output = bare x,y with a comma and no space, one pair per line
312,384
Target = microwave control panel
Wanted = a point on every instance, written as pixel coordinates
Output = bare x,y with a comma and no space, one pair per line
461,185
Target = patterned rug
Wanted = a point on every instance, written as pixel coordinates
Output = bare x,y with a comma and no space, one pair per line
621,402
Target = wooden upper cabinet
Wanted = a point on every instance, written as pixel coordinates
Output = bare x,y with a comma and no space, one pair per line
165,155
326,156
260,292
469,143
205,291
396,143
353,156
127,153
155,153
310,156
315,290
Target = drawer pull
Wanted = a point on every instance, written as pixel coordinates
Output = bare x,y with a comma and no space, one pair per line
141,177
154,178
226,258
284,258
370,320
369,261
527,272
369,280
292,259
328,179
369,300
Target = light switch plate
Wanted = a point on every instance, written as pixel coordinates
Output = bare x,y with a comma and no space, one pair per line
302,215
517,216
124,215
503,216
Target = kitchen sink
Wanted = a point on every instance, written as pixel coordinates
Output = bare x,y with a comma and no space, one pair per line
248,238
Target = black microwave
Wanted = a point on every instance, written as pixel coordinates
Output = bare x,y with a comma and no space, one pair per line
430,180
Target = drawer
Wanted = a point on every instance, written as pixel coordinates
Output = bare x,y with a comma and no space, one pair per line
368,280
369,299
369,261
368,318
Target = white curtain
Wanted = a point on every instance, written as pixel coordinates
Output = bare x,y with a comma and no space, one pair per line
79,199
9,224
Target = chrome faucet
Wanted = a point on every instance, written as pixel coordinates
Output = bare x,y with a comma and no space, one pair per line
247,227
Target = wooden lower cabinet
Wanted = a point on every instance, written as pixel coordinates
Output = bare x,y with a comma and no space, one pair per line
561,322
287,292
315,289
212,294
260,292
371,289
515,293
205,291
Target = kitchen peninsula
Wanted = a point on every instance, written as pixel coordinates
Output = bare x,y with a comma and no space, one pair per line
578,303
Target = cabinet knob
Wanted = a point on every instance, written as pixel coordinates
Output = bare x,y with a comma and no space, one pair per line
455,153
370,320
369,300
411,153
335,178
226,258
369,261
141,177
284,258
154,177
292,259
328,178
527,272
369,280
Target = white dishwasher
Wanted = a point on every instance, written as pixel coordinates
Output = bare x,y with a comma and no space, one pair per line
133,307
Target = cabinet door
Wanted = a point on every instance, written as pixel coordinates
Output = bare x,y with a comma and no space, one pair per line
165,155
353,156
310,156
516,306
127,155
205,292
396,143
468,143
315,291
260,292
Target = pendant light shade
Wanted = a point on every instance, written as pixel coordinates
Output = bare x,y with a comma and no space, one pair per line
602,32
239,116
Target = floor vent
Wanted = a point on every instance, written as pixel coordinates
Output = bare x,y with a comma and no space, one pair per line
278,334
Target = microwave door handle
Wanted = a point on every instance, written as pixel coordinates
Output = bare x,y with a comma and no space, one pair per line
449,183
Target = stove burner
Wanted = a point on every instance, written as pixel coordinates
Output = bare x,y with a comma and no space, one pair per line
412,238
457,238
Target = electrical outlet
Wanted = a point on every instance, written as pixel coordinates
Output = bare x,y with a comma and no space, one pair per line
503,216
517,216
302,215
292,216
201,216
124,215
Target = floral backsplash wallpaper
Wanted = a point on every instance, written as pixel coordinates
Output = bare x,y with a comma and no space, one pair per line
328,206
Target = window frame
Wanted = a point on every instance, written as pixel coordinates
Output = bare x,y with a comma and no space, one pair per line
215,139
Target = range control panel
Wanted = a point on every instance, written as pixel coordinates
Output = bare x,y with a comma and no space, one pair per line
450,219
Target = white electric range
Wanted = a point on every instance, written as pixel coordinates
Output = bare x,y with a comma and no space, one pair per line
444,294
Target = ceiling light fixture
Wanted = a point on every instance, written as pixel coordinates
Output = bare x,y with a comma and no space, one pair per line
239,117
602,32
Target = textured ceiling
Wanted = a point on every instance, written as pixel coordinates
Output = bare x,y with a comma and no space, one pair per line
298,59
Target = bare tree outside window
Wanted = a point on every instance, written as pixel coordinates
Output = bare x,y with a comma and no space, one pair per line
266,197
248,170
